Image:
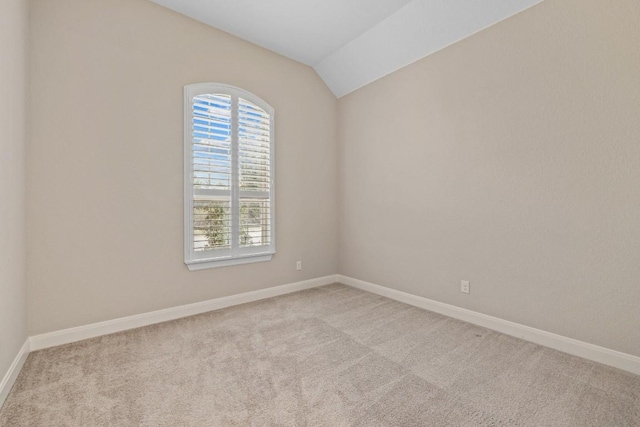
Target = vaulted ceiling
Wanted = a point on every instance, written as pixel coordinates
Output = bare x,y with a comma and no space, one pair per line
351,43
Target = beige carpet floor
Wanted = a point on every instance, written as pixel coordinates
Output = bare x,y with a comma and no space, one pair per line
330,356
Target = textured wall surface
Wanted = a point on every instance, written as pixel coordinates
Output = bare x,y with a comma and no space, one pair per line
106,157
510,159
13,246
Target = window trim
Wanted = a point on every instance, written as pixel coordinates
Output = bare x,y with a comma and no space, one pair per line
239,255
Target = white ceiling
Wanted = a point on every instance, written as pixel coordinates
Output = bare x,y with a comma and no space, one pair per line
304,30
350,43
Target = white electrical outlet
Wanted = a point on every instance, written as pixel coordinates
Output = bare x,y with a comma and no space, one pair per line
464,286
298,265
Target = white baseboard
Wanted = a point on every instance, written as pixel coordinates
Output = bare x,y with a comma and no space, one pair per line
582,349
52,339
11,375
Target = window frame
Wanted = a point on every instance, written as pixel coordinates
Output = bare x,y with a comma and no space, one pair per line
236,254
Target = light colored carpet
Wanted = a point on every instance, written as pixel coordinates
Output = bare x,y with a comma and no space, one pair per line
330,356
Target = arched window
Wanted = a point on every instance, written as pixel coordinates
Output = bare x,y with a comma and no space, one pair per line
229,176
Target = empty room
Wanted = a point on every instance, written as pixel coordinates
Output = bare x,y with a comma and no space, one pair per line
319,213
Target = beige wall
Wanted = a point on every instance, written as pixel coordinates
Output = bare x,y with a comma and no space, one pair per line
510,159
105,180
13,87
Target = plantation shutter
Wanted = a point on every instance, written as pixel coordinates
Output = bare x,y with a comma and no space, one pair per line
229,177
254,154
212,172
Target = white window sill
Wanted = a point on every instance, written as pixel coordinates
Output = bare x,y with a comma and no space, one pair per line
226,262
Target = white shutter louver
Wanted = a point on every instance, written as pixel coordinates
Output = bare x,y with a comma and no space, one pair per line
254,152
229,190
212,172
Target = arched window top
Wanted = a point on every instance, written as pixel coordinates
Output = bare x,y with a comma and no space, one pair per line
231,91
